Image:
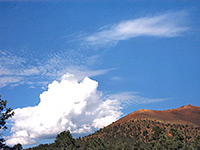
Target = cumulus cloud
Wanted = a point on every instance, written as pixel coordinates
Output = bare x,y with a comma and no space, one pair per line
70,104
166,25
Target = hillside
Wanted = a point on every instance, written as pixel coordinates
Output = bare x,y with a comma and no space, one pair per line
141,130
187,114
144,128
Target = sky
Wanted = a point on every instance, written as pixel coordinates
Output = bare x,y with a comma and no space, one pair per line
81,65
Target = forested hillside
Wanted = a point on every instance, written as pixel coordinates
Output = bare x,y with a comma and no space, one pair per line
149,134
175,129
132,135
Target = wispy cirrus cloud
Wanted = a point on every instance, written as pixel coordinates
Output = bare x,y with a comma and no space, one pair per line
134,98
16,70
165,25
4,81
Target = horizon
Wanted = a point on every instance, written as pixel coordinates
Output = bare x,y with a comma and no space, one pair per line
95,60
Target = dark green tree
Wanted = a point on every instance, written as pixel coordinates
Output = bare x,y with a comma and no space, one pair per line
94,143
17,147
5,113
196,143
65,141
145,134
157,132
177,139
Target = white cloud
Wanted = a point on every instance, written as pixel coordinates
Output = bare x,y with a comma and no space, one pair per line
133,97
166,25
67,105
81,72
10,80
116,78
53,66
70,104
16,70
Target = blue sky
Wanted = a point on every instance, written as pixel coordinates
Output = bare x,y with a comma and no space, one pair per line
115,56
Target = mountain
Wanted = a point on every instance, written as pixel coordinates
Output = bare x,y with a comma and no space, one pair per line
152,129
187,114
141,130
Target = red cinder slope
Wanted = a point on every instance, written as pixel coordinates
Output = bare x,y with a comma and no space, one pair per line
187,114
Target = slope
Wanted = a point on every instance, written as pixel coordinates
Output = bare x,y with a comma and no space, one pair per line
187,114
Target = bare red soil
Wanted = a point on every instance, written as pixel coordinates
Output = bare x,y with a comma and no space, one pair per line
187,114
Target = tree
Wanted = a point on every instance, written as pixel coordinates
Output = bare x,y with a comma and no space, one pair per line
157,131
17,147
64,140
96,144
196,142
145,134
5,113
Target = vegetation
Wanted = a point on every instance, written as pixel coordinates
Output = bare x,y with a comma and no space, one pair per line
5,113
131,135
15,147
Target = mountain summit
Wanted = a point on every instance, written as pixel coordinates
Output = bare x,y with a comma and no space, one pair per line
187,114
